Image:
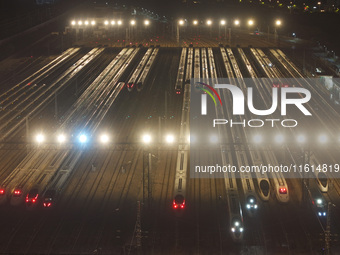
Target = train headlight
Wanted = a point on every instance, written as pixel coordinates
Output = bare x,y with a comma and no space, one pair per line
251,201
241,230
146,138
40,138
255,206
319,201
237,223
169,138
61,138
320,214
248,206
104,138
233,230
82,138
324,213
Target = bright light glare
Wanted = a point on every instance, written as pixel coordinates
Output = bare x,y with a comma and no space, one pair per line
195,22
257,139
222,22
119,22
237,223
250,22
301,139
237,22
40,138
146,138
319,201
323,138
279,138
80,22
86,22
181,22
73,22
104,138
278,22
61,138
213,139
146,22
209,22
133,22
93,23
82,138
113,22
169,138
106,22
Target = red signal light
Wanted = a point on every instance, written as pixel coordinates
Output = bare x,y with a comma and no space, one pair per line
17,192
283,191
2,191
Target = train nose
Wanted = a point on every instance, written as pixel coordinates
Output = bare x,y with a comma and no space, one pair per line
264,186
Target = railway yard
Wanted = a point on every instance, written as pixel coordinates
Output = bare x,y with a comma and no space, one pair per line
78,192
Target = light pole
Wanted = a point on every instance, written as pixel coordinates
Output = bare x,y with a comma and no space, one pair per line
195,23
237,24
146,24
250,23
209,24
119,23
180,23
223,23
276,35
146,139
328,236
131,33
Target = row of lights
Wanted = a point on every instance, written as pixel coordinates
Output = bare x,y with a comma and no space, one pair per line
181,22
61,138
147,139
107,22
104,138
223,22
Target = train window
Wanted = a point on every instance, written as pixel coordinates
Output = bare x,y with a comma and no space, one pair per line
180,184
264,185
49,194
323,179
33,193
179,199
182,161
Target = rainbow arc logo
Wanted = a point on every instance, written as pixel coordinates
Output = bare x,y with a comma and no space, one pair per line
209,93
